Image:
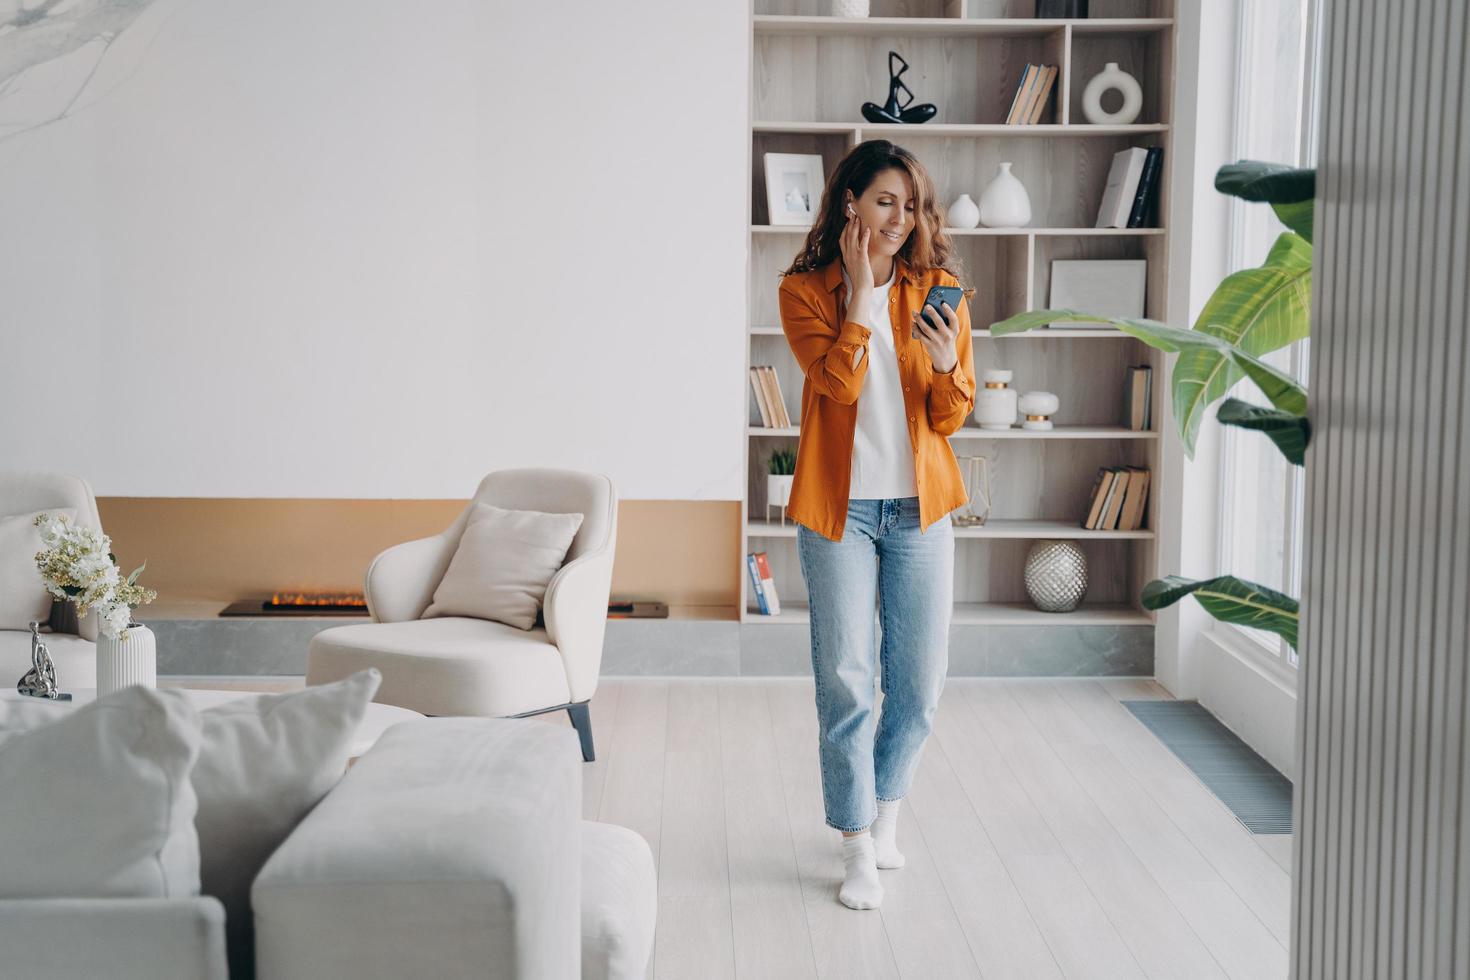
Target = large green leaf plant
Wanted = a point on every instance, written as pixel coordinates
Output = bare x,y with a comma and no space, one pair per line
1252,313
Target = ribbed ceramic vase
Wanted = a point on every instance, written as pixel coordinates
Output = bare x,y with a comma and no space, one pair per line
123,661
1005,203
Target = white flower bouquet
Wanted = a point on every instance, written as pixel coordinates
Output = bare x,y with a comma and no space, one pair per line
77,563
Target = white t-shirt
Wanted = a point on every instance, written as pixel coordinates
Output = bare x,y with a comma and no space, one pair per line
882,452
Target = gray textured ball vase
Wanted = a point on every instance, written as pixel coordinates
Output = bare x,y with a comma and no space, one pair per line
1056,575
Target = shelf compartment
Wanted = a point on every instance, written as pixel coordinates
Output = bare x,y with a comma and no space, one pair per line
975,432
776,25
866,130
996,528
995,614
984,333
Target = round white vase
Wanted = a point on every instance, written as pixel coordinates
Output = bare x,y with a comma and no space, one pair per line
963,213
1004,203
1112,77
995,404
122,661
1038,407
778,488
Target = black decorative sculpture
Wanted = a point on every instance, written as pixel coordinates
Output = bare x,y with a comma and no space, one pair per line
893,112
40,680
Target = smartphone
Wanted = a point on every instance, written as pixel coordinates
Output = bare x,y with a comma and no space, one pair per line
938,295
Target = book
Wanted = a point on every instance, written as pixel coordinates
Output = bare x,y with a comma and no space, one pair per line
1121,188
760,396
768,583
1102,489
1132,516
1038,105
755,584
1137,409
1148,186
1024,91
1092,496
1109,519
778,403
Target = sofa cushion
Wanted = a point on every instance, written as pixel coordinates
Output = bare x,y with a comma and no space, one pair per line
23,595
503,564
96,799
619,902
265,761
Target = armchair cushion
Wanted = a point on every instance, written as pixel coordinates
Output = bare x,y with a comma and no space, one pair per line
97,803
447,666
23,596
503,563
265,761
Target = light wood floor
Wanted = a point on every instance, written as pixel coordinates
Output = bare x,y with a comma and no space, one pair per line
1048,834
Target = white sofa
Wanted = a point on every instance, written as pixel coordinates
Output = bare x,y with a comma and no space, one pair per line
71,641
452,848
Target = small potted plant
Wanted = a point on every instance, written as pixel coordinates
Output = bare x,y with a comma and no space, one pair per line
782,468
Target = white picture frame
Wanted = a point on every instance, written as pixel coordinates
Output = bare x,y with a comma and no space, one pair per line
1109,287
794,184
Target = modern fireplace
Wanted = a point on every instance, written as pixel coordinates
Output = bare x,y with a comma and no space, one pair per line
301,604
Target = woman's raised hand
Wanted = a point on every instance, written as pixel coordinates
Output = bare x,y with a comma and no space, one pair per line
854,242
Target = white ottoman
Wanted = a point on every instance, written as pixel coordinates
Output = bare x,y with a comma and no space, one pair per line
619,902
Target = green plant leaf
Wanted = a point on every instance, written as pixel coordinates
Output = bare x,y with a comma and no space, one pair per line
1193,373
136,572
1254,310
1290,431
1230,600
1272,183
1297,216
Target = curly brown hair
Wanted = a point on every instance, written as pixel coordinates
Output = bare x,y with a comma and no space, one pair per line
927,247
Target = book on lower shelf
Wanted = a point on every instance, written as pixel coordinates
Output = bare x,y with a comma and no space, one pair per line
1117,501
768,398
762,583
1132,186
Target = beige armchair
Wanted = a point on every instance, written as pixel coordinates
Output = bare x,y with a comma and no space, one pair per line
461,666
71,641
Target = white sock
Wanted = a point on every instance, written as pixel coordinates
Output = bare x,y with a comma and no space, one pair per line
861,888
885,835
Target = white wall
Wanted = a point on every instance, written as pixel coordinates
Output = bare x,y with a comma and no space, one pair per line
377,250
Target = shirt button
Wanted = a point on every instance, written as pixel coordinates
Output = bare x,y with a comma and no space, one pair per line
905,387
912,419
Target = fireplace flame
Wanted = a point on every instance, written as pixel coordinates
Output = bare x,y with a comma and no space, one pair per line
318,599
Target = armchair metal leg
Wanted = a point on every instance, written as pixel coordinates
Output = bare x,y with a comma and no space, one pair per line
582,722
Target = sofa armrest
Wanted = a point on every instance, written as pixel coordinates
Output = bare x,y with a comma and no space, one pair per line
575,609
400,582
450,849
117,938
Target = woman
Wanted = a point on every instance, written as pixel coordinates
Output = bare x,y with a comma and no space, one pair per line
875,483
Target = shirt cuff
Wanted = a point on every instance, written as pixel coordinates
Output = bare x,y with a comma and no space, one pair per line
853,333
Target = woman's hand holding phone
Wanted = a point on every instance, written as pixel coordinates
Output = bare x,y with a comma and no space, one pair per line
854,244
939,337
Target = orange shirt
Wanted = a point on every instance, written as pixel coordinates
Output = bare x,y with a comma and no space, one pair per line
825,341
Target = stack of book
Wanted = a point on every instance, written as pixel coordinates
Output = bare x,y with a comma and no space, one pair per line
1140,397
1031,95
762,584
767,388
1130,199
1119,494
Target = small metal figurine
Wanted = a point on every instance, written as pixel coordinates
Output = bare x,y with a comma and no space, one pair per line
40,680
893,112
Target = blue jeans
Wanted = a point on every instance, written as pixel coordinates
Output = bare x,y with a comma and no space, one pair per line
882,556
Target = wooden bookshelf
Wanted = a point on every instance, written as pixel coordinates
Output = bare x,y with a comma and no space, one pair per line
966,56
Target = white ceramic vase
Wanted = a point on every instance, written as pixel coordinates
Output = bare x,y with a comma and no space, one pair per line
1004,202
1038,407
126,660
963,213
1112,77
849,8
995,404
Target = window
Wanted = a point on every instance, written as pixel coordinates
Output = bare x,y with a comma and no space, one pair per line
1262,495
